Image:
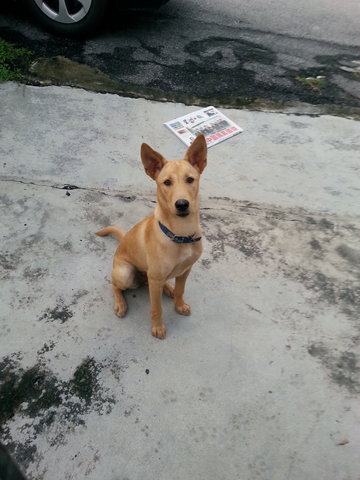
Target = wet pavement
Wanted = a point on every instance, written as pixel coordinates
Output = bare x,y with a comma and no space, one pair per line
261,381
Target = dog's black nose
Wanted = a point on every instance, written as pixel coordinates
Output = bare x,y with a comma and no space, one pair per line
182,205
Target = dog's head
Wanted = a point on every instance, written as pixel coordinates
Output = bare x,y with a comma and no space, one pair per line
178,180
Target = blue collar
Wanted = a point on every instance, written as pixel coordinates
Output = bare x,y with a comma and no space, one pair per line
178,238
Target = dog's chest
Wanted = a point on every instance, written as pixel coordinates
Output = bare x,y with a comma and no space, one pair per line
185,253
185,256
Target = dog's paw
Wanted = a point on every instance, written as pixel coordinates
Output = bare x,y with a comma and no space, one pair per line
159,331
120,309
169,290
183,309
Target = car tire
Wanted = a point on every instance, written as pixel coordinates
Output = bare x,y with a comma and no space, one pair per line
76,17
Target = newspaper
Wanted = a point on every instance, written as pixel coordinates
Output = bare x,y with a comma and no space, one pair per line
215,126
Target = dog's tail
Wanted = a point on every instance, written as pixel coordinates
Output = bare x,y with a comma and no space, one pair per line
115,231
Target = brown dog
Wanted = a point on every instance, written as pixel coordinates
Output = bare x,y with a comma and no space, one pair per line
166,244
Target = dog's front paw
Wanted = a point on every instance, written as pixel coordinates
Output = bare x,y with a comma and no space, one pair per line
120,309
183,309
159,331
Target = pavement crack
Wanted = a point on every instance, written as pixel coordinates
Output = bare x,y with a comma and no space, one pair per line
229,206
67,187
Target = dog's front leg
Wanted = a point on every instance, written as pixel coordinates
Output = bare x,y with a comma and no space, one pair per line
180,306
156,289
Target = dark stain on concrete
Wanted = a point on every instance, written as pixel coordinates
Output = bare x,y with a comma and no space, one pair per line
96,215
34,239
48,347
64,245
39,395
6,201
321,284
247,242
228,199
342,367
93,196
299,125
346,372
351,255
36,273
228,234
67,246
315,244
25,452
317,350
326,224
344,146
8,261
60,312
31,240
267,235
34,387
335,292
205,263
84,382
95,243
79,294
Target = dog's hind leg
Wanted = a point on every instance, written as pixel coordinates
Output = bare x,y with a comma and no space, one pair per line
142,279
120,306
169,290
124,276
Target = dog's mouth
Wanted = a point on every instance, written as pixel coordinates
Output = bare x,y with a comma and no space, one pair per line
182,214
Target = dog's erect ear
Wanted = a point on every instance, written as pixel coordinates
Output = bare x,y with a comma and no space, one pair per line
197,152
153,161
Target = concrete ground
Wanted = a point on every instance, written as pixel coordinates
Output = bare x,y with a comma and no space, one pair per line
262,381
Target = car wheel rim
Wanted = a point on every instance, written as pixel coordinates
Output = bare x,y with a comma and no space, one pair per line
64,11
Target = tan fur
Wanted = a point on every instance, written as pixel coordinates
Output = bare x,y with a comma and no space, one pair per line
145,254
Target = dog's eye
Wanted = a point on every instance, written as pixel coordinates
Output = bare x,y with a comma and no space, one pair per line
167,182
189,180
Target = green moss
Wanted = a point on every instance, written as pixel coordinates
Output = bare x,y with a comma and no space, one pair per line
14,62
315,84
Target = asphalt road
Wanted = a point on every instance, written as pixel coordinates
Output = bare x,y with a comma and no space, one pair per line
228,53
324,20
